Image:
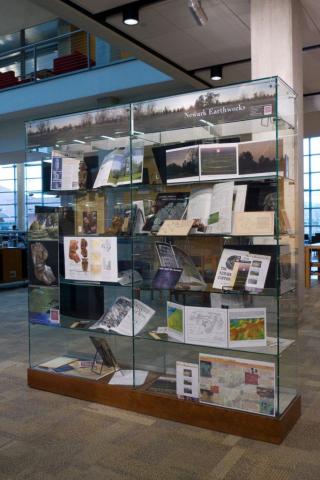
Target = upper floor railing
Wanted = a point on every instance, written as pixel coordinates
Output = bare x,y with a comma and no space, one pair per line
63,54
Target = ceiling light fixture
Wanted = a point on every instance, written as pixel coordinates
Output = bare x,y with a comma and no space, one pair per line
106,137
198,12
130,15
216,72
79,141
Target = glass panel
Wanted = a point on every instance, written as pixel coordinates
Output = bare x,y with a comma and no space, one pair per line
315,214
306,216
315,181
306,199
315,199
33,184
314,145
315,163
7,172
306,146
7,197
7,186
33,171
306,164
306,182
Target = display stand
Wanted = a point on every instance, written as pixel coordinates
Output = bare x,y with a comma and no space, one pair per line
173,256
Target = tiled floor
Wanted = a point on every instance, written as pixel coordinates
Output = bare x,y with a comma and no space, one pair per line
45,436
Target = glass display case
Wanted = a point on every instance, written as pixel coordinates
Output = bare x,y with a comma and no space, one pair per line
169,271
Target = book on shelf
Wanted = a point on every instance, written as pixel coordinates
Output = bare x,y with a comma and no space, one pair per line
168,206
241,270
174,259
77,367
119,319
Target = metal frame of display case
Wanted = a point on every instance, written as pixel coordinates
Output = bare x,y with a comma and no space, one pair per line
257,111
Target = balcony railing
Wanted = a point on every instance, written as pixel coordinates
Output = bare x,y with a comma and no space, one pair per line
60,55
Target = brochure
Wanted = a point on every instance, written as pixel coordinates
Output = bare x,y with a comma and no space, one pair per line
223,275
115,168
43,263
42,302
175,321
43,226
206,326
64,172
258,272
247,327
237,383
187,380
119,319
91,258
218,161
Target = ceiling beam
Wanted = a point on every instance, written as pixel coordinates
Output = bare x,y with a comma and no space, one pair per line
85,20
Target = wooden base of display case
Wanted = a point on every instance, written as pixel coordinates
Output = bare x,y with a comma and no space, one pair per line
244,424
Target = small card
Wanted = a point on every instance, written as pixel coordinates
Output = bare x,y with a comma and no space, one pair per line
175,228
253,223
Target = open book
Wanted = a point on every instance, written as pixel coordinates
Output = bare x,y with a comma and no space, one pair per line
214,206
118,318
116,168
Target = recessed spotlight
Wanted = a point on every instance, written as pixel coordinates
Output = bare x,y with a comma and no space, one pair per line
216,72
130,15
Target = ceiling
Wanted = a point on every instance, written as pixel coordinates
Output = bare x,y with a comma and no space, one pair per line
168,29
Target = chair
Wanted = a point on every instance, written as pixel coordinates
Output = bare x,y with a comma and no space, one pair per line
69,63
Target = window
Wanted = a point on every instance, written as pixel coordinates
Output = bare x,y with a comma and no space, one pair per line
8,196
311,162
33,189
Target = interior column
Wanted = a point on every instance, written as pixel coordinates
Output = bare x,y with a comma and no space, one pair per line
276,49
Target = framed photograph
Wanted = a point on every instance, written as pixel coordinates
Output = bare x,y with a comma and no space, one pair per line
182,164
218,161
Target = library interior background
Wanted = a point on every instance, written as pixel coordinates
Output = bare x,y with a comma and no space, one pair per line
159,239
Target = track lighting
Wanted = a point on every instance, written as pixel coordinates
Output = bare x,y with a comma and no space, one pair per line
216,72
130,15
198,12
